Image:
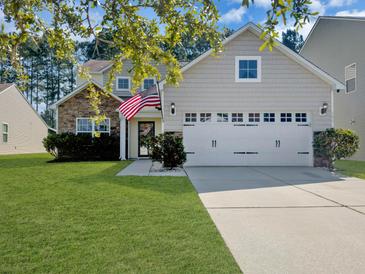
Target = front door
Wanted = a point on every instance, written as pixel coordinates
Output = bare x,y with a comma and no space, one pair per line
145,129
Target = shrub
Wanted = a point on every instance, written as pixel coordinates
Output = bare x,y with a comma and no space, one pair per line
167,149
335,144
71,147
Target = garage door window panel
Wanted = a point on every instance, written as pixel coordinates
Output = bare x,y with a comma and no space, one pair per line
205,117
301,117
254,117
190,117
222,117
285,117
237,117
269,117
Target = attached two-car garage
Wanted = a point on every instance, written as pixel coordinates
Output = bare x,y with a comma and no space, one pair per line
277,143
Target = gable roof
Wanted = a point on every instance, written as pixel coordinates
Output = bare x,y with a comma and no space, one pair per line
340,18
282,48
98,66
78,90
5,87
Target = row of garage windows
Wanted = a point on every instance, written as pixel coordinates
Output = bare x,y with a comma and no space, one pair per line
254,117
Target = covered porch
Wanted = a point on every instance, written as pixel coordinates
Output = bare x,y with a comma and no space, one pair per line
147,122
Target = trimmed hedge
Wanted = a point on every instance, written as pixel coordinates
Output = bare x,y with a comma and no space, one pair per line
71,147
166,148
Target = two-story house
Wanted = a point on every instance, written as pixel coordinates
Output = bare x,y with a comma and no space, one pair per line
242,107
336,45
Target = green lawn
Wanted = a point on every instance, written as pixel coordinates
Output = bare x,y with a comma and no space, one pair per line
81,218
351,168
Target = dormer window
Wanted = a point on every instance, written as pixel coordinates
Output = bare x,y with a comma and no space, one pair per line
248,69
123,83
350,78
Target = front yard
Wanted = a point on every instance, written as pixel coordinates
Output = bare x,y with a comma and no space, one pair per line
80,218
351,168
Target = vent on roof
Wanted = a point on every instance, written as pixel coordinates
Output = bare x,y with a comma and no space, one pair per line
350,78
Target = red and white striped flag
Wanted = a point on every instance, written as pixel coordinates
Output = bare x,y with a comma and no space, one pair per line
133,105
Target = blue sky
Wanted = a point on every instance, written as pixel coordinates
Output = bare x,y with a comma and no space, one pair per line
233,15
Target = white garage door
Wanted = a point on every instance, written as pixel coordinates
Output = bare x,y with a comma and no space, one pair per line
240,144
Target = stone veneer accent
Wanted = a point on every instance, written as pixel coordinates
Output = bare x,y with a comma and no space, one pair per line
78,106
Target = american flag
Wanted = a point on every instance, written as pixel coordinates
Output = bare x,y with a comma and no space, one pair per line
133,105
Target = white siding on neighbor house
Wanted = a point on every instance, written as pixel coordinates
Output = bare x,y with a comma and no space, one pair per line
210,86
333,45
26,129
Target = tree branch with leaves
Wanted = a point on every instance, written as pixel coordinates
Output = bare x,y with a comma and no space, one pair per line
147,41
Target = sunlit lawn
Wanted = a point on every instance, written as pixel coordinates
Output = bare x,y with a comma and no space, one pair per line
351,168
81,218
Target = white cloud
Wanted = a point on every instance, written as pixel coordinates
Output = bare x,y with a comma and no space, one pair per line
263,3
233,15
340,3
317,6
356,13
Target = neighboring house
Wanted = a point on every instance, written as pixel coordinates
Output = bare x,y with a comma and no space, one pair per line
336,44
22,129
244,107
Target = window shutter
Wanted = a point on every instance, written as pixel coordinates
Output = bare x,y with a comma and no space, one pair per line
350,78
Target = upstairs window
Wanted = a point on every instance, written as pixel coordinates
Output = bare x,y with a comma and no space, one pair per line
237,117
205,117
222,117
269,117
148,82
123,83
190,117
350,78
5,129
248,69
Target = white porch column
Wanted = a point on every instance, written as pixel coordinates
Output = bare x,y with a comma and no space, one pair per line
122,137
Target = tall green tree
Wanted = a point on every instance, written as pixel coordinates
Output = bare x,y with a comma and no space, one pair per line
293,40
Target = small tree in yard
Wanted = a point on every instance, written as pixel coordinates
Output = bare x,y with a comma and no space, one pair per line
167,149
335,144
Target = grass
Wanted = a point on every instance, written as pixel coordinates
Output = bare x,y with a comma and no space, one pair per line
351,168
81,218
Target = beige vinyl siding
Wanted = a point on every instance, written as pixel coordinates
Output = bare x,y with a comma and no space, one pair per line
210,86
98,77
26,129
333,45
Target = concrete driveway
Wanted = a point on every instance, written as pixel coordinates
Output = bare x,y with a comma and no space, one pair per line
286,219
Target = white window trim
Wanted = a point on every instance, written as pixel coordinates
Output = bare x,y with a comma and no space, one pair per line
346,79
148,78
123,77
4,133
249,80
92,125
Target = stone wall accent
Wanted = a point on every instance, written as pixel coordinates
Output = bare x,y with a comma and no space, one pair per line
79,106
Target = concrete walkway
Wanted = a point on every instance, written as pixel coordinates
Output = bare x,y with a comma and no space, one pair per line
286,219
146,167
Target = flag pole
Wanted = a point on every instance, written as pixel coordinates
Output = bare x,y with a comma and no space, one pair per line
159,95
